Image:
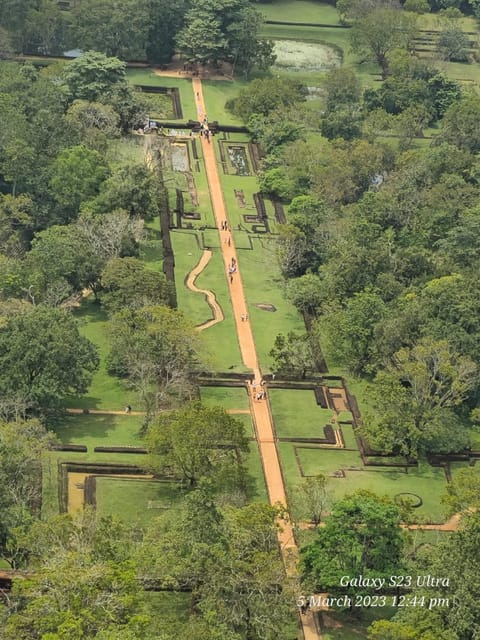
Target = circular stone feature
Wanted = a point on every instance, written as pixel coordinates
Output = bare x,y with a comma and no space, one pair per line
412,498
294,55
265,306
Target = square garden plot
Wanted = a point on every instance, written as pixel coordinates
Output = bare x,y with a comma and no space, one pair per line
226,397
297,414
135,500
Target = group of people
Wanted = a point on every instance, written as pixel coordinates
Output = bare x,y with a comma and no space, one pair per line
204,130
244,317
261,394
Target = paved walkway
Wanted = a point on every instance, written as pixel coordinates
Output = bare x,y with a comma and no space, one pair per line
260,409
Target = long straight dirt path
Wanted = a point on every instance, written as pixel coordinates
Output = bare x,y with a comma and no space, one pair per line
260,409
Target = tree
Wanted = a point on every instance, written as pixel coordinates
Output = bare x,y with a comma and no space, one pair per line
229,558
342,123
77,175
463,493
92,585
128,284
93,76
381,31
312,497
275,129
60,263
45,28
343,88
415,400
351,330
131,187
224,30
453,44
361,536
22,445
417,6
101,25
43,357
165,20
393,630
459,126
157,350
351,10
292,355
305,293
262,96
197,442
16,222
201,40
94,123
291,251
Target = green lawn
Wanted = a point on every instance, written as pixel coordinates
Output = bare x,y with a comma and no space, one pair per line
300,11
135,500
222,352
296,413
263,284
105,392
215,94
52,459
100,430
257,490
426,481
148,77
226,397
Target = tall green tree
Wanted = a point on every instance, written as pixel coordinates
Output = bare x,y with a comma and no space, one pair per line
128,284
22,445
459,124
76,177
197,442
361,536
380,31
94,75
157,349
92,584
43,357
416,398
105,26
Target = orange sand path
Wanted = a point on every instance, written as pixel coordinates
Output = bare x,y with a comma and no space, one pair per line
261,409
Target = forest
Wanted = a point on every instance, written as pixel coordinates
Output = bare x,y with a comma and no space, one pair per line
136,500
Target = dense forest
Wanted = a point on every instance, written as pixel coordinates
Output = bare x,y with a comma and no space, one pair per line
380,251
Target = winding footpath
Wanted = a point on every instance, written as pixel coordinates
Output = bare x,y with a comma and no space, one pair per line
209,295
260,409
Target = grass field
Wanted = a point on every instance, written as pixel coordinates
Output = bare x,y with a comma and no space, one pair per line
216,93
427,482
226,397
300,11
149,78
222,352
105,391
296,413
263,284
100,430
135,500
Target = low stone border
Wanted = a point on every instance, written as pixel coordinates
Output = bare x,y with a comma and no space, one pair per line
398,498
